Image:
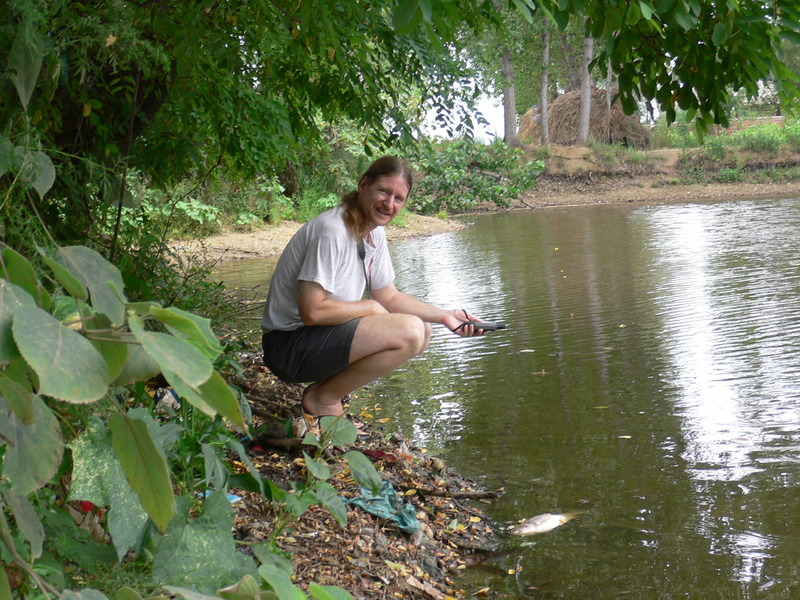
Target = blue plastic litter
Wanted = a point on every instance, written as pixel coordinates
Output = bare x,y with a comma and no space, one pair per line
386,504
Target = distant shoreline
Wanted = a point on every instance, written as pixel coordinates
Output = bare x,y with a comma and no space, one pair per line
551,191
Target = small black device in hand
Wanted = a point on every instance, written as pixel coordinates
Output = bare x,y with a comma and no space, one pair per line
485,325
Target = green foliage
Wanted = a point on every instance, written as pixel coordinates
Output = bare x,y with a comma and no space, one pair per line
461,174
791,134
176,92
675,135
291,504
80,354
765,139
728,175
612,155
715,148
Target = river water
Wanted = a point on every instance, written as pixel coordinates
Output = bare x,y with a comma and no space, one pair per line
649,379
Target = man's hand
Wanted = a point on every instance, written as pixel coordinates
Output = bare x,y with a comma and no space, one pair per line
455,321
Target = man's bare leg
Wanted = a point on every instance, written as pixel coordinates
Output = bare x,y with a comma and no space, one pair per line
381,343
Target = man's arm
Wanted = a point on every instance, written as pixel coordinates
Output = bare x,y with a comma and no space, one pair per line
318,308
395,301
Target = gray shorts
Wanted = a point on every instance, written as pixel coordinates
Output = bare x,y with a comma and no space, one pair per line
310,353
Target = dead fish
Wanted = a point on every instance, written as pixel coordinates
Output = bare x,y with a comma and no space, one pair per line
542,523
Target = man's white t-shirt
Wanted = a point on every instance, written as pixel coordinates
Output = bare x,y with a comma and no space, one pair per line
326,252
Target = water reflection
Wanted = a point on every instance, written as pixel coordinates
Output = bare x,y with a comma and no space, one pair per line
650,378
650,375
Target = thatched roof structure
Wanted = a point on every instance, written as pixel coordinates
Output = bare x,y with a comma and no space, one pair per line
563,114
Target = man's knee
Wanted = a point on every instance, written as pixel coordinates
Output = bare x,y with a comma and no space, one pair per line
416,334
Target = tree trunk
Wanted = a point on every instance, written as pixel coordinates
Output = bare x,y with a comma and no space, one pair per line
544,121
509,101
609,83
586,92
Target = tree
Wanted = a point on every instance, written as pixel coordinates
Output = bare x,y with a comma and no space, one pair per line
509,101
682,54
170,88
544,122
584,119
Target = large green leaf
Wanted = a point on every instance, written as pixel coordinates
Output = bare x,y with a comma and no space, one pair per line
19,399
338,430
26,519
25,61
200,553
70,283
332,501
363,470
406,16
96,273
246,588
318,468
84,594
37,170
194,328
144,467
68,366
173,354
138,366
127,593
97,476
328,592
212,397
280,583
11,297
19,271
115,354
5,586
33,452
188,594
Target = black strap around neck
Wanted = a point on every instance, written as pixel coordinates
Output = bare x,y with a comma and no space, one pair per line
362,254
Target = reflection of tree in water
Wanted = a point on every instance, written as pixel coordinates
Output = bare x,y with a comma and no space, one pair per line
678,429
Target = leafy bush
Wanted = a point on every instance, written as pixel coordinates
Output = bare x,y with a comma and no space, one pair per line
612,155
728,175
461,174
791,134
75,358
676,135
765,138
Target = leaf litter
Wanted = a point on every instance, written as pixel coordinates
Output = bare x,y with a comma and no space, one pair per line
369,557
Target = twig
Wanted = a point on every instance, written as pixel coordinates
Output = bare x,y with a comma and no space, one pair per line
448,494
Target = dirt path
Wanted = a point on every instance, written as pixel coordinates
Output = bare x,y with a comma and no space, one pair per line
551,191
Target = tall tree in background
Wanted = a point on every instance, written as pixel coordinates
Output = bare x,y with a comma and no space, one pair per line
585,111
544,118
509,100
686,55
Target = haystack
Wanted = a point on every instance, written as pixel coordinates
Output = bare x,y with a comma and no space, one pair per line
563,114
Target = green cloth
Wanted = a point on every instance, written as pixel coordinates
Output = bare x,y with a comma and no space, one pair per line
386,504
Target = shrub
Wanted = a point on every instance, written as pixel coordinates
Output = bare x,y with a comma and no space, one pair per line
728,175
461,174
765,138
76,355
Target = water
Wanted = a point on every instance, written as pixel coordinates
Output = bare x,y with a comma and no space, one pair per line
649,378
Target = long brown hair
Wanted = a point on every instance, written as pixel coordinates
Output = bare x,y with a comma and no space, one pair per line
385,165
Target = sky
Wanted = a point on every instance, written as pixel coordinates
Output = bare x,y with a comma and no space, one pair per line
492,110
